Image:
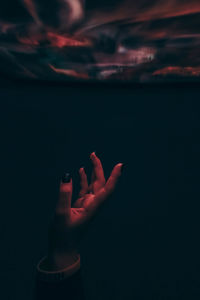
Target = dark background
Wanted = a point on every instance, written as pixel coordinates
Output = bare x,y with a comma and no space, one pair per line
145,242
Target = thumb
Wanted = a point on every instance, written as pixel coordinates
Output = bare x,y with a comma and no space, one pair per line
65,195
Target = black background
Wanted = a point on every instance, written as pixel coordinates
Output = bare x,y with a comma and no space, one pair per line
145,242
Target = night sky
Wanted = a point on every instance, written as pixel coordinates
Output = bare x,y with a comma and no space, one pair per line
146,41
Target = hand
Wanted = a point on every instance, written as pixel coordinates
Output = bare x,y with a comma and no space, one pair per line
70,222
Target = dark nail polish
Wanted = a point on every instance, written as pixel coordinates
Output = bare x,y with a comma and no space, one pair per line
66,178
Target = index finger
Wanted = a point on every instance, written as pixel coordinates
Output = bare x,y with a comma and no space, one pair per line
110,184
65,196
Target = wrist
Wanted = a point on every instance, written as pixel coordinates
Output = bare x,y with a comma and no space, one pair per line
54,272
59,261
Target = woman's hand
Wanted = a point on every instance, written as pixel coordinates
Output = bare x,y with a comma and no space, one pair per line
70,222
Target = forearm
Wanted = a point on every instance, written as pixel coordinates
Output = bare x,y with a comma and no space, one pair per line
68,260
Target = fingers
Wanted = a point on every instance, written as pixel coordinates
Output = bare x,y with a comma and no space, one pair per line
91,186
98,169
113,179
79,202
92,203
110,184
93,177
65,195
83,183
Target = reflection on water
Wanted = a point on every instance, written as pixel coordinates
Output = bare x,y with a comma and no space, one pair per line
122,41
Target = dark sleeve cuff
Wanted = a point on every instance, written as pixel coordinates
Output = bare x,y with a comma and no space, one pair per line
59,285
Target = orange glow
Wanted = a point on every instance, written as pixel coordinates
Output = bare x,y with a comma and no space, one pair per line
69,72
175,70
60,41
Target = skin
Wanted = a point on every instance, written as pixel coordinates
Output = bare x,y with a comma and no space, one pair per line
70,223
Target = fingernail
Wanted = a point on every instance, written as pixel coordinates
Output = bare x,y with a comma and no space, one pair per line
66,178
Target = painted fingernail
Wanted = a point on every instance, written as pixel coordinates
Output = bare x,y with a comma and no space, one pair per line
66,178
